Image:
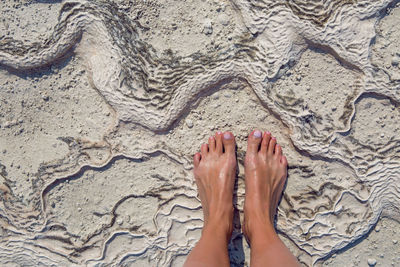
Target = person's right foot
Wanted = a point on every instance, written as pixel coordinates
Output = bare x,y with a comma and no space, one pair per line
265,176
214,171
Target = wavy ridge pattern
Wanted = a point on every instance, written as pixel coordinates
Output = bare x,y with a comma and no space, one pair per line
152,93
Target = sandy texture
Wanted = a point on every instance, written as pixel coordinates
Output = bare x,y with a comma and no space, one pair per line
104,103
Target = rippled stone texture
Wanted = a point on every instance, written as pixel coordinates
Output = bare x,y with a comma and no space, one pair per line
319,12
125,195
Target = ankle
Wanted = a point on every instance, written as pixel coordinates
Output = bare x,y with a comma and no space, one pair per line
220,217
218,230
259,229
262,236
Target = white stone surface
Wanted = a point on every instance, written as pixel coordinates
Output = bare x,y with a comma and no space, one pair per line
103,104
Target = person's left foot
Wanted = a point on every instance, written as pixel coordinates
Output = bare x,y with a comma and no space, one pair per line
214,171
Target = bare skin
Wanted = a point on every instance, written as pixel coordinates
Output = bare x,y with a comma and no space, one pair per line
265,171
215,171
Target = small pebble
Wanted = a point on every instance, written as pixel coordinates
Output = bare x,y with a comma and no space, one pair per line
395,61
394,241
120,221
221,8
261,117
45,97
79,209
207,30
377,228
189,123
371,262
224,20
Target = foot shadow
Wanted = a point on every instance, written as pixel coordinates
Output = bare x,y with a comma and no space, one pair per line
236,252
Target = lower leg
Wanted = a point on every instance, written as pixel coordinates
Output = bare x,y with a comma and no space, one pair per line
214,171
212,248
266,247
266,172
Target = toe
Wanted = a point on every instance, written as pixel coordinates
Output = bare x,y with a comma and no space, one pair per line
196,159
265,142
284,161
211,143
218,140
204,149
229,143
253,142
271,146
278,151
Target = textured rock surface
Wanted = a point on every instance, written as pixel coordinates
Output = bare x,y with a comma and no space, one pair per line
103,104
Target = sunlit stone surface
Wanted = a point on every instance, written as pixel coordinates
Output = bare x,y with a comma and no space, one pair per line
103,104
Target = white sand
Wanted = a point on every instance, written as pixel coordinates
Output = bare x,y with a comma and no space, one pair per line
103,104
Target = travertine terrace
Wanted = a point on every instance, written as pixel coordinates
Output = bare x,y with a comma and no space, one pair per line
104,103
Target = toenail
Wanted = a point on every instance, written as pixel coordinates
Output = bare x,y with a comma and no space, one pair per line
267,132
257,134
227,136
219,132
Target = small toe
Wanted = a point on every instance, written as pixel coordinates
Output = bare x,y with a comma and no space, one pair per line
284,161
278,150
211,143
271,146
218,141
229,143
196,159
204,149
265,142
253,142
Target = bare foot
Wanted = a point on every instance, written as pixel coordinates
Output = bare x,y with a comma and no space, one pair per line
214,171
265,172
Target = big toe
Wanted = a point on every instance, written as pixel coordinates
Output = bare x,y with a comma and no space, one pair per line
229,143
253,142
196,159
